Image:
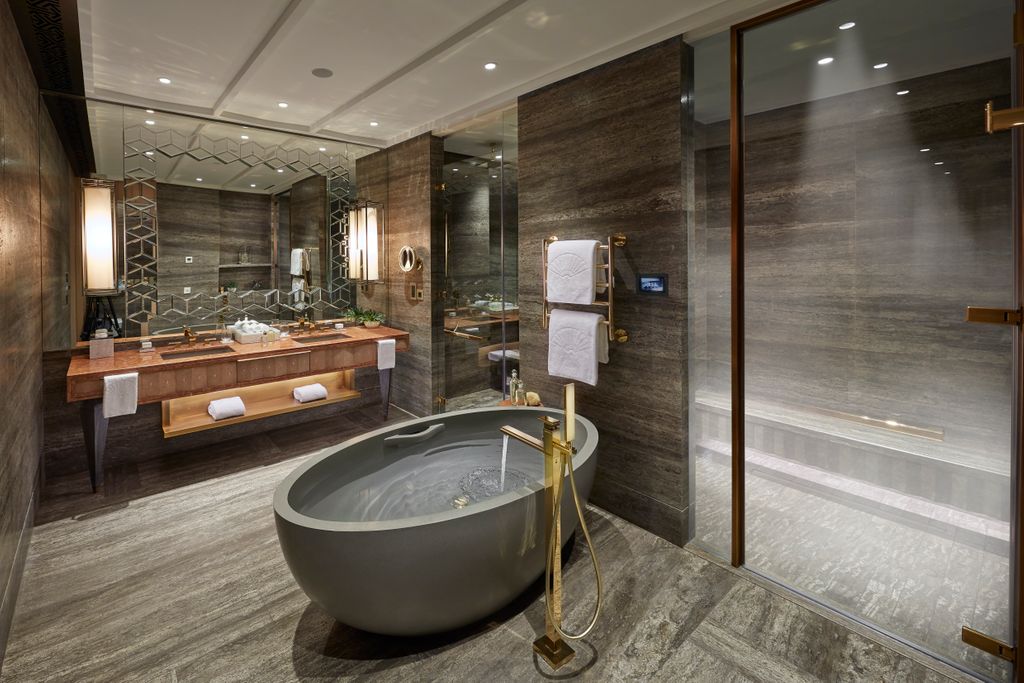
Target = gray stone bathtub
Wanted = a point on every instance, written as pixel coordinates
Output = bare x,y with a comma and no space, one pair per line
411,529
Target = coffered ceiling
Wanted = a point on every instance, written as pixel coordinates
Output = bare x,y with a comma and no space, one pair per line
410,66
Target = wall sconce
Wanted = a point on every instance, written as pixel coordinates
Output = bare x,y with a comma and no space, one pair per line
99,242
365,241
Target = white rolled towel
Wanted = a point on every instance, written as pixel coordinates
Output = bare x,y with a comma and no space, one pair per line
385,354
310,392
223,408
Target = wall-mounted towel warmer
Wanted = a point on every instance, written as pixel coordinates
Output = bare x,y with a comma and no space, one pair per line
616,241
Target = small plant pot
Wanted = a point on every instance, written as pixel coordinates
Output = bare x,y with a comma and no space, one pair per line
372,323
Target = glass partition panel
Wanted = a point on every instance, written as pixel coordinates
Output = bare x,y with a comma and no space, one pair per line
876,209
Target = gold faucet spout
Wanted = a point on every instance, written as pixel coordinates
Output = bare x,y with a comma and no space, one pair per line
519,435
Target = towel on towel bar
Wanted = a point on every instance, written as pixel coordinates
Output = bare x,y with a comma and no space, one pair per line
572,271
385,354
577,341
120,394
300,262
223,408
310,392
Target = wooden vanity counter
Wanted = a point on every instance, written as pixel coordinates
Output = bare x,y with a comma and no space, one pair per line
163,378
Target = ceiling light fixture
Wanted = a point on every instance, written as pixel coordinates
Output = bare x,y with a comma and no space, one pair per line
280,170
946,173
321,72
454,170
902,92
245,137
149,111
199,180
164,80
880,65
150,122
374,124
497,156
283,105
847,26
939,163
149,154
252,184
926,149
490,66
825,60
322,149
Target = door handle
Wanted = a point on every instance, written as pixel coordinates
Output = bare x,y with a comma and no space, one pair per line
994,316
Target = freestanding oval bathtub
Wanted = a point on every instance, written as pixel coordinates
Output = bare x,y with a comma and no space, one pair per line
414,529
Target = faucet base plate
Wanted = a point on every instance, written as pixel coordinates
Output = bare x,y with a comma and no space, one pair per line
555,653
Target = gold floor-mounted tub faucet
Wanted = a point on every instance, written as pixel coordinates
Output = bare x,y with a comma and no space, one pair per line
558,450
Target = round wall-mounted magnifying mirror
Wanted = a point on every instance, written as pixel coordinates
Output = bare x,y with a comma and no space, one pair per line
407,260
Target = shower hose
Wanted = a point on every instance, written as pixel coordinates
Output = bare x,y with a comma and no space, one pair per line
549,574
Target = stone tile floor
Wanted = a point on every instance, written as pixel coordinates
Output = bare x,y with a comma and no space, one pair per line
190,585
911,580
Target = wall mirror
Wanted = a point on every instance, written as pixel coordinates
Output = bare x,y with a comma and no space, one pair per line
213,216
407,260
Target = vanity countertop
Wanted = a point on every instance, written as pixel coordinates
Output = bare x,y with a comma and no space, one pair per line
132,360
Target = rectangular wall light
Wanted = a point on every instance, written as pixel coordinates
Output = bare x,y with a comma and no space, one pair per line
99,243
365,242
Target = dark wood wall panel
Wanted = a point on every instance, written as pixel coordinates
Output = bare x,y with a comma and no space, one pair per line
600,153
59,216
25,130
406,178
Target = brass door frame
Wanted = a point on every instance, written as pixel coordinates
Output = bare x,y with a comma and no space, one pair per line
736,164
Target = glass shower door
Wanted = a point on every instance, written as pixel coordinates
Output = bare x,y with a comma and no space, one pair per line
877,420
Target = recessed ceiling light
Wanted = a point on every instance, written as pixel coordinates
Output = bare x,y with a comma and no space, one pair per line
902,92
374,124
164,80
825,60
947,173
497,156
149,111
881,65
150,122
199,180
283,105
926,149
149,154
252,184
323,149
490,66
454,169
245,137
847,26
280,170
321,72
939,163
494,176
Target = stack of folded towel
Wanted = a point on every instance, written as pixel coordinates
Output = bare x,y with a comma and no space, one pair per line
223,408
577,341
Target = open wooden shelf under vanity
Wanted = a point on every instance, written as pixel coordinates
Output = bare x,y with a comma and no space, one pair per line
189,414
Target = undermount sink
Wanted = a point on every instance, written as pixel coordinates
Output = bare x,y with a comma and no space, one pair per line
321,338
196,353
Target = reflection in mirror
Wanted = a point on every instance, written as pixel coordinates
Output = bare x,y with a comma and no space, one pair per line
407,259
220,221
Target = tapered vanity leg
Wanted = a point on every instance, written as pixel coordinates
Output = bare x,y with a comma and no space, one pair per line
385,390
94,426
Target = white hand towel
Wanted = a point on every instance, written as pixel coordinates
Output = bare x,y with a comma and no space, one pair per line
572,271
120,394
310,392
297,257
575,345
223,408
385,354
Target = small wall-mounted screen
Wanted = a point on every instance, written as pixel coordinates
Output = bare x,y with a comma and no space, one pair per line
653,284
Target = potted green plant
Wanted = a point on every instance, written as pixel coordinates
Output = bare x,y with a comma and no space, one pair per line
365,316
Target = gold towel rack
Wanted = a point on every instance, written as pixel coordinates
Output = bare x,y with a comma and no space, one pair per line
616,241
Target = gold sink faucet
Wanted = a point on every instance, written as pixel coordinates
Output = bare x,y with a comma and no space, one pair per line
190,336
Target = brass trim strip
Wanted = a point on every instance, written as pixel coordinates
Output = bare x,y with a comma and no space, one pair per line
994,316
273,356
988,644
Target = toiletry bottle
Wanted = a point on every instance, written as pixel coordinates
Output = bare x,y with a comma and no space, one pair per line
514,386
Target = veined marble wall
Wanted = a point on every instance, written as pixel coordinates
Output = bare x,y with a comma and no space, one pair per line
35,213
603,152
862,255
406,178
